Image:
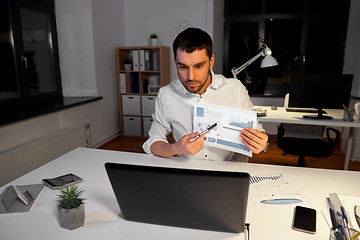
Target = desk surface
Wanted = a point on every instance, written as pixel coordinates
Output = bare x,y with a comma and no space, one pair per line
102,220
281,115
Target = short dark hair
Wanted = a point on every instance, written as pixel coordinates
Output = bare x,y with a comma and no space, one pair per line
192,39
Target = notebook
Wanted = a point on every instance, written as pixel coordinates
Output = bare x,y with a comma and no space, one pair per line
197,199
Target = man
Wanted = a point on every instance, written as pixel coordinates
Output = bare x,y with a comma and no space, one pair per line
197,83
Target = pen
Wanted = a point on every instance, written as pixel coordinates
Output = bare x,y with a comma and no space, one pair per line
205,131
346,221
341,225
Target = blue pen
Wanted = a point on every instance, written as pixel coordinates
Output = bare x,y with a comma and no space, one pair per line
341,225
346,221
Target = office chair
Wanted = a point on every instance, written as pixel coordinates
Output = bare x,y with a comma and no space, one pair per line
305,140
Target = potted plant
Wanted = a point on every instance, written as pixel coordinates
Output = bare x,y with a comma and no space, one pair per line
153,39
70,204
127,64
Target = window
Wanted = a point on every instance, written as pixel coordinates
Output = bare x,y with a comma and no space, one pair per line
305,37
29,53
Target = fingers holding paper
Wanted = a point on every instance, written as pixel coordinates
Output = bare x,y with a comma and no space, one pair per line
255,140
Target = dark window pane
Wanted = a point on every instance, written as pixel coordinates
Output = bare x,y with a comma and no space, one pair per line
236,7
8,84
38,54
337,8
284,6
243,43
325,51
283,36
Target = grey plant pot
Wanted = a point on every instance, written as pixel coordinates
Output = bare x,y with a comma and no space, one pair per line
72,218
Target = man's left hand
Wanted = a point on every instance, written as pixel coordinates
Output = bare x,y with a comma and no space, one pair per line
255,140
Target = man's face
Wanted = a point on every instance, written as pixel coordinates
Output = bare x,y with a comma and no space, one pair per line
194,70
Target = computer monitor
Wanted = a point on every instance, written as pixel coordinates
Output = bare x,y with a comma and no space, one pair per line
320,91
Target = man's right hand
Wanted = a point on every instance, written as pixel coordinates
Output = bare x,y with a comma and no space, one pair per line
182,146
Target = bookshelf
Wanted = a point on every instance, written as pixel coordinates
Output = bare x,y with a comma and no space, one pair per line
138,86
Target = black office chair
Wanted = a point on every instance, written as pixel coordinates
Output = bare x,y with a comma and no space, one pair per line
306,140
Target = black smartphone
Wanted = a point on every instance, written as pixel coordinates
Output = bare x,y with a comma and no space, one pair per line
304,219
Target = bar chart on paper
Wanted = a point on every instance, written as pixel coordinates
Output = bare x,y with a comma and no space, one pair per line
230,122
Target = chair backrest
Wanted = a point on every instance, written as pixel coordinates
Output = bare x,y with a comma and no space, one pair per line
303,131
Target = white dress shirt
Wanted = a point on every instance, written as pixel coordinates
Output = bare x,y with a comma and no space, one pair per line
174,109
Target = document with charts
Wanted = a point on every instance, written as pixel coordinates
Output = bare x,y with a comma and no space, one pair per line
230,121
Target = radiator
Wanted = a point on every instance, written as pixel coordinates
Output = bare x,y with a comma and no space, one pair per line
27,157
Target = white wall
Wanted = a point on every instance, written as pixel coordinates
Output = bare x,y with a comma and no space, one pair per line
161,16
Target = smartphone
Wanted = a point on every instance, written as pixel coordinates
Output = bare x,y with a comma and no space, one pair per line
304,219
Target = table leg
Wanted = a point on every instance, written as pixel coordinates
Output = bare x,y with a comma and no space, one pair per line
348,149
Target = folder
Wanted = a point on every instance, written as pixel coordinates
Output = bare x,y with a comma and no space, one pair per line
147,60
155,60
135,55
142,60
122,83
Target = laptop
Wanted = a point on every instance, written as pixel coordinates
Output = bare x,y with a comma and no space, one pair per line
188,198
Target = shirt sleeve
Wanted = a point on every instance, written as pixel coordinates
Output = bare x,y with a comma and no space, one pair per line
160,127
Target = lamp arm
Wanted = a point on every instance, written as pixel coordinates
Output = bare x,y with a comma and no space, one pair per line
235,71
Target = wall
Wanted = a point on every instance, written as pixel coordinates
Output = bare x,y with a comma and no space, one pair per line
161,16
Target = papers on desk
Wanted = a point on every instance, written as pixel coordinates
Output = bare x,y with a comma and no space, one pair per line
274,189
230,121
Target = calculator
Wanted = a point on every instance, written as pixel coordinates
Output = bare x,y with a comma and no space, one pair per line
62,181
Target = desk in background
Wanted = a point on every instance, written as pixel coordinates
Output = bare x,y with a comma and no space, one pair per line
102,220
282,116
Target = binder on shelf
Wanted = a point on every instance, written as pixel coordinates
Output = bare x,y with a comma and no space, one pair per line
147,60
19,198
142,60
122,83
134,82
135,55
155,60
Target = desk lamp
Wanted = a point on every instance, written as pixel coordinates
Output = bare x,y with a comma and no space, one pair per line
268,61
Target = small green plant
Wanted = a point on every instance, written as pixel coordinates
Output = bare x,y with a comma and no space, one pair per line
70,198
153,35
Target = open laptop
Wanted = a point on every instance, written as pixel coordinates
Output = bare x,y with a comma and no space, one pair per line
197,199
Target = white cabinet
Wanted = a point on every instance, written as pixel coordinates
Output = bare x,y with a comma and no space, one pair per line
148,105
132,126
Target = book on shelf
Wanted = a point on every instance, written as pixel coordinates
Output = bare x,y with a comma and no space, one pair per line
134,82
144,85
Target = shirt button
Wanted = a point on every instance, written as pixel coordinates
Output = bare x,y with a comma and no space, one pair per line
205,155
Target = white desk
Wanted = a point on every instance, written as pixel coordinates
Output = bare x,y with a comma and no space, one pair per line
102,220
282,116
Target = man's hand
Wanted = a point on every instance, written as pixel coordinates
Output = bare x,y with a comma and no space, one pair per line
185,146
255,140
182,146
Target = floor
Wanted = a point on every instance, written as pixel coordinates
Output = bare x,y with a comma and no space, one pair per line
274,155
